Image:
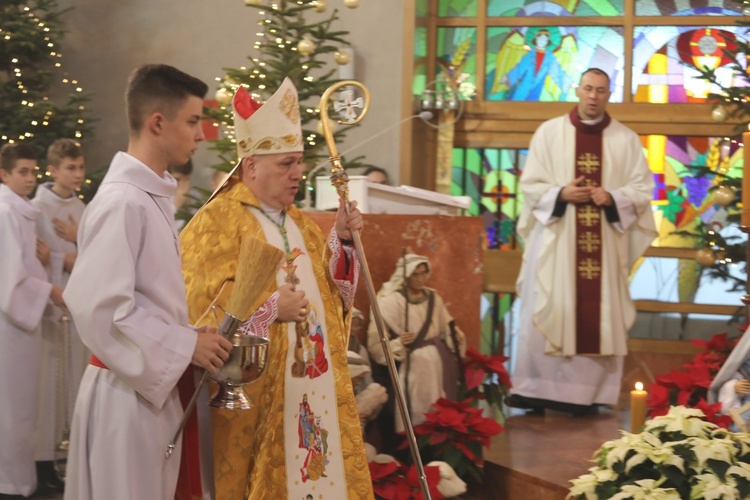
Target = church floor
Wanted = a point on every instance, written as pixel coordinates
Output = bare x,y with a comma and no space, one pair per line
537,455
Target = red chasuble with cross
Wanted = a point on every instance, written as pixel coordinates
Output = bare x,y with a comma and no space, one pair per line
588,261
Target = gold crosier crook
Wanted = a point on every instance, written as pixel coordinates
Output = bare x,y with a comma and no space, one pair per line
340,179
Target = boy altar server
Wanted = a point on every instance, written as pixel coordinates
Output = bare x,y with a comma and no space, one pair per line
24,293
64,357
127,297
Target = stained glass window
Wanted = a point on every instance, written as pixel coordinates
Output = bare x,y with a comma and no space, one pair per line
457,8
515,72
457,57
685,169
420,60
666,61
687,8
519,8
490,177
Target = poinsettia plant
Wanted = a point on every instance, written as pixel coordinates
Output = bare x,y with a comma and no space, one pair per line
677,456
396,481
455,433
486,377
689,387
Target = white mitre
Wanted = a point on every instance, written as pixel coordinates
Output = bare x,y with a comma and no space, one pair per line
271,128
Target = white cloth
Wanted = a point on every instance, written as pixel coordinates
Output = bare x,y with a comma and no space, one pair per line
546,365
24,294
64,357
127,297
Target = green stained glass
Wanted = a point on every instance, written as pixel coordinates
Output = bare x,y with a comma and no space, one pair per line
457,59
419,82
490,178
526,8
422,8
544,63
457,8
688,8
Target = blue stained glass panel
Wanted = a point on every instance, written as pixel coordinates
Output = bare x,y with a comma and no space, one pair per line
545,63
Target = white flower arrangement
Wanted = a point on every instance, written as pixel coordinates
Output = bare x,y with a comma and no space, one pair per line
676,456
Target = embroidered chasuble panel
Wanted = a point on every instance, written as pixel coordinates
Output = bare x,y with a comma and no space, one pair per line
452,244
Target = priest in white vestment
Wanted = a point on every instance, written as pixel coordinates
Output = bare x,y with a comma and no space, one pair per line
586,219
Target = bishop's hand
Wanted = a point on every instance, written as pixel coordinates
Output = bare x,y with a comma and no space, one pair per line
346,223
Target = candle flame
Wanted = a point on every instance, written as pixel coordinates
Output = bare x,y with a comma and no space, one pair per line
638,386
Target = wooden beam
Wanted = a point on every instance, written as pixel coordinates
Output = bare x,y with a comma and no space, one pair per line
659,346
685,308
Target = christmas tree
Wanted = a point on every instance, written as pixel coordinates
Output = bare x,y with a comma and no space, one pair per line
730,102
295,39
39,101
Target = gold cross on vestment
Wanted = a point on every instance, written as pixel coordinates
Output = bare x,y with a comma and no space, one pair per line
589,268
589,242
588,215
590,182
588,163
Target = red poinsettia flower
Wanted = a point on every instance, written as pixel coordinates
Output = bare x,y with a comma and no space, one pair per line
690,386
479,365
713,413
395,481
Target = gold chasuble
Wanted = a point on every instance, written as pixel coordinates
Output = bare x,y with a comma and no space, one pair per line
302,437
589,164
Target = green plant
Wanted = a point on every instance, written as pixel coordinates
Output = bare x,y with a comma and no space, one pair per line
677,456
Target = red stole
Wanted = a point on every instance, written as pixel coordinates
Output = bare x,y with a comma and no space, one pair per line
588,262
189,481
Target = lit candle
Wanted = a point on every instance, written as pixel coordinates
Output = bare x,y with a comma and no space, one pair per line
745,219
638,399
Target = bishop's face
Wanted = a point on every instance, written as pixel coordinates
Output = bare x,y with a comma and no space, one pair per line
593,94
273,178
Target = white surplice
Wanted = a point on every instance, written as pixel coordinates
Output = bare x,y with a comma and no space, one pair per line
64,357
546,364
127,297
24,294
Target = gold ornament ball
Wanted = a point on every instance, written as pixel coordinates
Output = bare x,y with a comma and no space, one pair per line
719,114
724,195
352,4
705,257
331,127
319,5
223,96
306,46
253,2
342,57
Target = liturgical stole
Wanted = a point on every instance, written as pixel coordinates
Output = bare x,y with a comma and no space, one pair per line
588,254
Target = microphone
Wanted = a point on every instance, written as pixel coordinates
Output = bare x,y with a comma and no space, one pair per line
426,115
